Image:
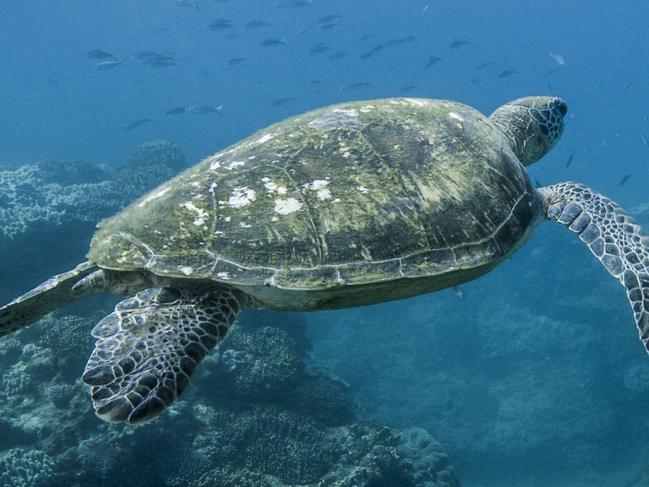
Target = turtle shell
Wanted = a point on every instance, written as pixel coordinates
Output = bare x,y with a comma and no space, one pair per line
370,194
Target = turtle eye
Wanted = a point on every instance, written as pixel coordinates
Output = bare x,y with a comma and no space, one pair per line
168,295
561,106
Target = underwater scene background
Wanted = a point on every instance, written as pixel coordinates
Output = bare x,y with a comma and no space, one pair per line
530,376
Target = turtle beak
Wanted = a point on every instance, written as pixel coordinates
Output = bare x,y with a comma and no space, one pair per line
560,107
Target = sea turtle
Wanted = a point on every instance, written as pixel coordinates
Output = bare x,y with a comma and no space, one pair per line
348,205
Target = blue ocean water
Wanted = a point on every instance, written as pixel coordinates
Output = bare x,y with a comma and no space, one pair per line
533,377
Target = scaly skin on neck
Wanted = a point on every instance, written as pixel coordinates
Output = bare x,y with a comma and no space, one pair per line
533,125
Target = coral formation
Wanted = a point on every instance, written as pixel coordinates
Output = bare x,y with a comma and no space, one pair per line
157,153
43,204
221,432
260,364
20,467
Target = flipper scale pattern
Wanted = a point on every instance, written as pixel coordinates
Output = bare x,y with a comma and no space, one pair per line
612,235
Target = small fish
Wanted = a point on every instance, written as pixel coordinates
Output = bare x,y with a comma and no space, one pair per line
627,86
256,24
315,82
176,111
99,54
624,179
484,65
235,61
432,61
559,59
136,124
53,82
459,292
220,24
106,65
272,42
643,138
204,109
456,44
372,51
407,88
425,9
569,161
358,85
280,102
328,19
318,49
338,55
506,73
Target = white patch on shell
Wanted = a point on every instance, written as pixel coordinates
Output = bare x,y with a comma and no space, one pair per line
241,197
363,189
338,117
154,196
416,102
185,269
201,214
223,275
320,187
318,184
324,194
234,164
264,138
344,151
458,118
215,164
287,206
273,187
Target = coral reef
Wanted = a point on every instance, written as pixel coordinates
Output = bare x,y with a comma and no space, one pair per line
53,199
62,192
260,364
258,413
157,153
20,467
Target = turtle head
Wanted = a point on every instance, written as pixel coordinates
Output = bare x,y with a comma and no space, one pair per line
532,124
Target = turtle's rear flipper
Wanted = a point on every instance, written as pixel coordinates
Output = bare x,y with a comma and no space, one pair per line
52,294
148,348
612,236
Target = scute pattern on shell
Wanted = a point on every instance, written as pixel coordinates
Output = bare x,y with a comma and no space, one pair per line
356,193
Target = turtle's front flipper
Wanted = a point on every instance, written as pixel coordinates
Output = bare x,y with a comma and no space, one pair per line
52,294
148,348
611,235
